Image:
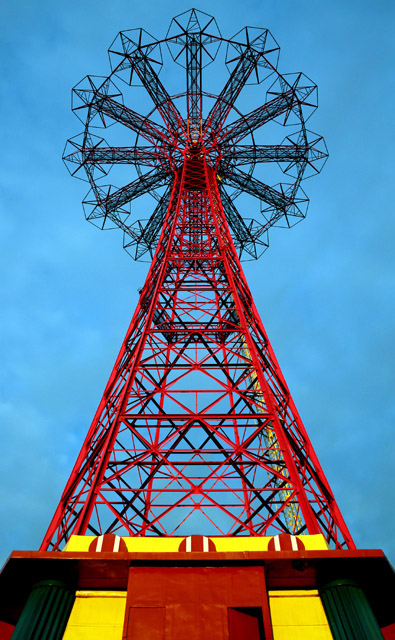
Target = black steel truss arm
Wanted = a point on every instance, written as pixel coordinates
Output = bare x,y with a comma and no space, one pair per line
247,154
241,180
145,156
158,94
240,230
256,118
227,98
144,184
152,131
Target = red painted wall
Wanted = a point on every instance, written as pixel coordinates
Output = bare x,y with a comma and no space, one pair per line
389,632
197,603
6,631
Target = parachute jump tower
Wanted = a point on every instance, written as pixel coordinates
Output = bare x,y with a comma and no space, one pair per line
197,504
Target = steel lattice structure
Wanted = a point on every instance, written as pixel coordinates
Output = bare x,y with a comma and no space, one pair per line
196,430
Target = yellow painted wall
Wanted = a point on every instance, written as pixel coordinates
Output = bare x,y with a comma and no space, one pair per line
160,545
97,615
298,615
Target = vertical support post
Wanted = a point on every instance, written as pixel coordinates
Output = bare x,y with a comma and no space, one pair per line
349,613
46,612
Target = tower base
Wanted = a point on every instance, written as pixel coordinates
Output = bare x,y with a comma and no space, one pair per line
242,589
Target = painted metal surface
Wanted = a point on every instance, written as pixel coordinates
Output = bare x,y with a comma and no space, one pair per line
156,544
291,570
108,542
349,613
298,615
97,615
245,623
197,431
232,140
199,603
45,614
180,430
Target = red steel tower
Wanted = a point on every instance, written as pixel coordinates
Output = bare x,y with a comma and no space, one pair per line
187,509
197,430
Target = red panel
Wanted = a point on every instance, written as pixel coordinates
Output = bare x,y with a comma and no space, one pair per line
146,623
389,632
235,586
245,624
212,622
196,600
182,622
6,631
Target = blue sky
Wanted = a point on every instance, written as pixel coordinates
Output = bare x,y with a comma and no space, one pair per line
324,289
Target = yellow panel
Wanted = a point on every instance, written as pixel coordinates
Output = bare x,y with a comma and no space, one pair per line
162,545
302,633
97,615
137,544
256,543
156,545
298,615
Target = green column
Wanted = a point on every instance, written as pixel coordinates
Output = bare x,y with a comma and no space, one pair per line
46,612
349,613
